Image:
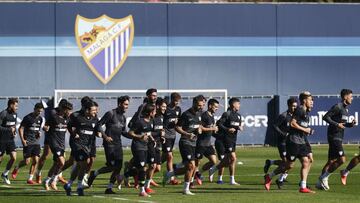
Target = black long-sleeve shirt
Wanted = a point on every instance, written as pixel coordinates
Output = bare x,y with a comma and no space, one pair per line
115,123
337,114
282,126
229,119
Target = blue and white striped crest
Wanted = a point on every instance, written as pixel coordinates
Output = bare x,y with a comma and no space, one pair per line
104,43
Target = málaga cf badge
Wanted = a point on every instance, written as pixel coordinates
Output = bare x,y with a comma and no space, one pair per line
104,43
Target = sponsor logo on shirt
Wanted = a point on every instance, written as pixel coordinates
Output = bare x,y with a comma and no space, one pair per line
159,127
10,123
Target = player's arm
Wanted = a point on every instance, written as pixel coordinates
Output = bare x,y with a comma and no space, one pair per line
351,124
98,130
180,130
332,112
124,132
133,135
280,121
72,127
295,125
206,122
21,134
105,119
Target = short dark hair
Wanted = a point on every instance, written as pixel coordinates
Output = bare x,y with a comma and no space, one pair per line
148,109
345,92
89,104
84,100
304,95
67,106
62,102
175,96
12,101
212,102
233,100
198,99
39,106
150,91
96,104
291,100
122,99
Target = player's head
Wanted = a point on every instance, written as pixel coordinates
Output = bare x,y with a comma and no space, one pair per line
151,94
90,108
175,98
66,107
292,104
306,99
198,102
149,110
123,102
213,105
161,105
62,102
234,104
346,96
38,109
85,100
13,104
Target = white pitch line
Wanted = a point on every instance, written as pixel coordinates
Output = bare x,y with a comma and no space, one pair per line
145,201
97,196
122,199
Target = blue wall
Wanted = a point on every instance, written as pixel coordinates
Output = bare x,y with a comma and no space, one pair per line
248,49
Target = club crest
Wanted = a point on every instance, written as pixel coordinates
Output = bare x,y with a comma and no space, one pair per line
104,43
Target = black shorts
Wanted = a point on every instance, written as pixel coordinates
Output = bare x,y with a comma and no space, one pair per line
308,147
153,156
336,149
93,151
31,151
282,150
47,139
81,155
73,149
229,147
187,152
296,151
57,152
114,155
168,145
220,149
139,158
206,151
7,147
